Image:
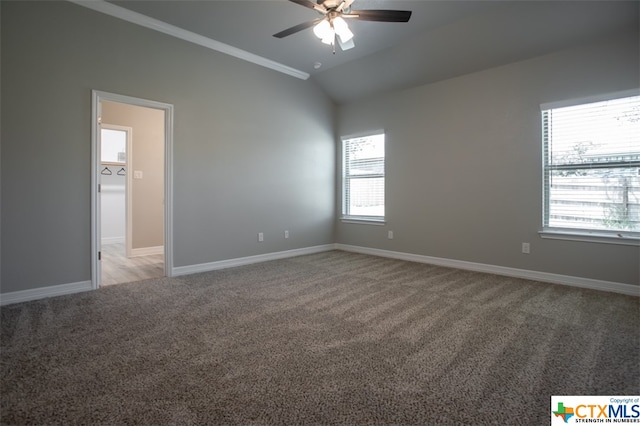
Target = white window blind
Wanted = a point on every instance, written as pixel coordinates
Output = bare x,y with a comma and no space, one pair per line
363,177
592,167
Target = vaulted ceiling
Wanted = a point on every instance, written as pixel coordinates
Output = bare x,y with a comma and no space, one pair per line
443,39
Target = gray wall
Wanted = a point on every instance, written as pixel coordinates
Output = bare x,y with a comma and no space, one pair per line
253,150
464,163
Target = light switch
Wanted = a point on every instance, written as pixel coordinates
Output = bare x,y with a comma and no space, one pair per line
137,174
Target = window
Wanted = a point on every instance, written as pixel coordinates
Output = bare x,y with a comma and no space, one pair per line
592,167
363,178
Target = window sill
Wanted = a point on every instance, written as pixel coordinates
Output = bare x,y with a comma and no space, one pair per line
622,238
363,220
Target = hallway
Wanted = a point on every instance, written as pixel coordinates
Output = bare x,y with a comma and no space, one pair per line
117,268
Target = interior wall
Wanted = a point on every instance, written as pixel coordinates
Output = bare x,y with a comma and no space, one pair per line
147,156
113,204
254,149
464,163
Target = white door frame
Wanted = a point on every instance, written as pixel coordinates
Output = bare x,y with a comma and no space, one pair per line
96,113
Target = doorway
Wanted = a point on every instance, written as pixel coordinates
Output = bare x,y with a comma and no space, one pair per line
131,189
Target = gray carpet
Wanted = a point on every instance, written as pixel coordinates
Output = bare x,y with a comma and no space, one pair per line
330,338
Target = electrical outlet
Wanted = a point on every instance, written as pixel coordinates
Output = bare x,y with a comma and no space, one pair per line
526,248
390,235
286,234
260,237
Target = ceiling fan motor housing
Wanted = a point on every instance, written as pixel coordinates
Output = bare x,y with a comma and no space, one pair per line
330,4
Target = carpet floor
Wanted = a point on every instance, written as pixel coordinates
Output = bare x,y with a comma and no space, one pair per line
329,338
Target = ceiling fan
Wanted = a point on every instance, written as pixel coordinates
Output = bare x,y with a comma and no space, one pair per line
333,26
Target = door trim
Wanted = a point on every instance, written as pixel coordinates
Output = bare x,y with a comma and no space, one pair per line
97,97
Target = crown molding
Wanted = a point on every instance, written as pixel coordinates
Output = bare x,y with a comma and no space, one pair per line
163,27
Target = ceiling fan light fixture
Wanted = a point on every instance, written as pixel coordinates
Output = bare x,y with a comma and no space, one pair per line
333,24
329,39
323,29
342,29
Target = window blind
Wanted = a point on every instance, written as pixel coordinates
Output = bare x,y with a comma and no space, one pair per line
364,177
592,166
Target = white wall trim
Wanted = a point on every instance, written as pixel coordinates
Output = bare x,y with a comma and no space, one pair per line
63,289
620,239
231,263
568,280
44,292
146,251
112,240
163,27
96,111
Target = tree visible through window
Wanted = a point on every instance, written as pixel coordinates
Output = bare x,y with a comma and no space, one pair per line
363,177
592,166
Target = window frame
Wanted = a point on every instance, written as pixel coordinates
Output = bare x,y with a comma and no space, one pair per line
345,217
621,237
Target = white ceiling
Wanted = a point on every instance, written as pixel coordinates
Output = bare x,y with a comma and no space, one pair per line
443,39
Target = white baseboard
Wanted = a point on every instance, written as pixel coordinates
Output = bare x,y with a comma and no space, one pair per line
231,263
147,251
112,240
63,289
43,292
568,280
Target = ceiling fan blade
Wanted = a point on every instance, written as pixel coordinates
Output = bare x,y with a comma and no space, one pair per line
311,5
380,15
297,28
346,46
